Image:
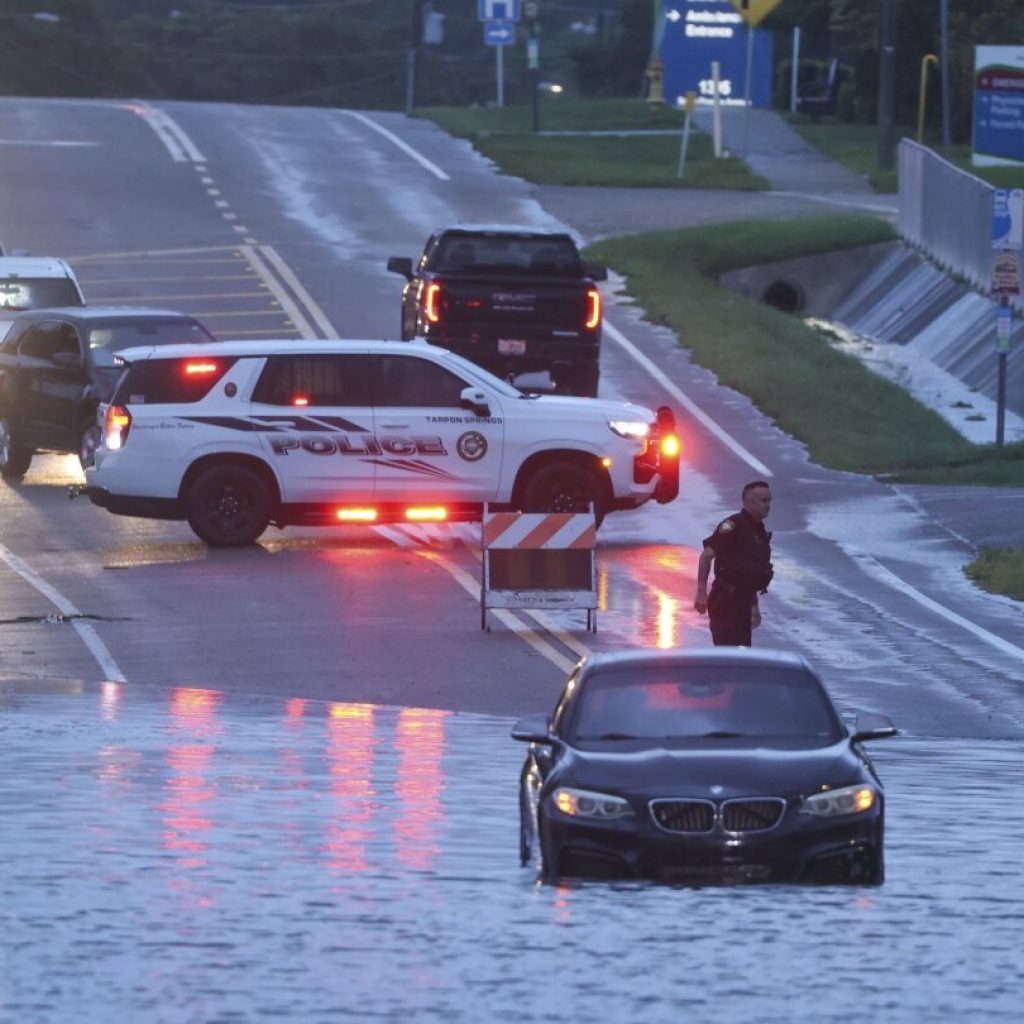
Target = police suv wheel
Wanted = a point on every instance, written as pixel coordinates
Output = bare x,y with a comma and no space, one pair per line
228,506
14,460
563,487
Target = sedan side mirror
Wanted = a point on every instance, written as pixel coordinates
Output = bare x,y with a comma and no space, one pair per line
401,265
475,399
595,271
69,359
533,729
871,726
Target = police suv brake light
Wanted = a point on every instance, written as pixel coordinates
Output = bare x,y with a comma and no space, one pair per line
118,423
200,368
671,446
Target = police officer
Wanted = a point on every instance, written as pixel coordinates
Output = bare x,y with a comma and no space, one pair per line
741,549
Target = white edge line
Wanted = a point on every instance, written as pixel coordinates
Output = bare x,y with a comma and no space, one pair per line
304,297
730,442
84,629
403,146
874,568
264,274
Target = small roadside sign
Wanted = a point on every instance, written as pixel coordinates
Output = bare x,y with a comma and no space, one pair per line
1006,272
1007,218
498,10
499,33
1004,328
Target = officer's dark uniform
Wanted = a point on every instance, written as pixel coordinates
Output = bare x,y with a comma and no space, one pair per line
743,568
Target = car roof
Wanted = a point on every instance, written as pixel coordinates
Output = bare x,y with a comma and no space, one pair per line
725,656
281,346
33,266
86,313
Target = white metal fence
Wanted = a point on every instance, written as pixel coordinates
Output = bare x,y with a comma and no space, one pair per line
947,214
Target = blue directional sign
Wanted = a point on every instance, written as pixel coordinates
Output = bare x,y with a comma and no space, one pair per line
498,10
499,33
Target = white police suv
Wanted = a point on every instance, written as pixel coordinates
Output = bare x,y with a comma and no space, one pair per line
235,436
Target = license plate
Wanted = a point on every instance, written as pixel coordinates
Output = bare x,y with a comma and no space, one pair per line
511,347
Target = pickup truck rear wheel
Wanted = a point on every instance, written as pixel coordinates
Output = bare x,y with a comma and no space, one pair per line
14,458
563,487
581,380
228,506
88,442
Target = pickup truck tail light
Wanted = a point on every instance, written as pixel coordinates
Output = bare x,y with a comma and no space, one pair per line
593,318
432,302
119,422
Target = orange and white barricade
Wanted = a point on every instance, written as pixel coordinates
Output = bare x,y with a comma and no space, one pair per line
539,560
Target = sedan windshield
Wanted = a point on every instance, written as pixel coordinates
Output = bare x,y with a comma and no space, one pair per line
107,338
710,702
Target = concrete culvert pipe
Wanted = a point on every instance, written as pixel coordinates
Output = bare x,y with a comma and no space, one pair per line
784,296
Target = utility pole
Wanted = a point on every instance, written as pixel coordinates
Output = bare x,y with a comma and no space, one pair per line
944,70
413,55
531,12
887,86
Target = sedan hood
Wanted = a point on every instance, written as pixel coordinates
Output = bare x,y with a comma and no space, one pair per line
712,774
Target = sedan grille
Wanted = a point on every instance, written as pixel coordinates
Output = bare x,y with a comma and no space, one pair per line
752,815
695,816
684,815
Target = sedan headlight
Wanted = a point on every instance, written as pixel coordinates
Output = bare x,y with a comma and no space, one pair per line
581,803
834,803
635,429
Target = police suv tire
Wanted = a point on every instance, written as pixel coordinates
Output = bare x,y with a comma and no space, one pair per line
89,437
563,487
14,459
228,506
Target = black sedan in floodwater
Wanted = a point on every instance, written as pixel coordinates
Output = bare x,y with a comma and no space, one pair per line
719,765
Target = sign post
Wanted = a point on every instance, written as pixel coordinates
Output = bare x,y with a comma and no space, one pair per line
691,103
499,17
753,13
1007,241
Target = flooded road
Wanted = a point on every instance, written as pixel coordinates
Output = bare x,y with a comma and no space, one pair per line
192,856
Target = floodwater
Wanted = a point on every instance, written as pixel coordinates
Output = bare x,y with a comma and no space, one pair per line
192,857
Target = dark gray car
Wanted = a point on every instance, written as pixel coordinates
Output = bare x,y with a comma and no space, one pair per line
58,365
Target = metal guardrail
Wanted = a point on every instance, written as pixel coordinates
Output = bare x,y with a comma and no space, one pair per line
947,214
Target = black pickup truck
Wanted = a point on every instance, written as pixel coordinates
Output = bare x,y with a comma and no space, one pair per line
513,300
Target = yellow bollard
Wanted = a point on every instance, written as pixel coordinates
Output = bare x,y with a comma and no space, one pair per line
924,93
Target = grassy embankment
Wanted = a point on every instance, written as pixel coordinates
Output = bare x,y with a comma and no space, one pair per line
848,417
855,146
505,135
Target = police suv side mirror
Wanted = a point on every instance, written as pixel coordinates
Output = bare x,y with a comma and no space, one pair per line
475,399
595,271
401,265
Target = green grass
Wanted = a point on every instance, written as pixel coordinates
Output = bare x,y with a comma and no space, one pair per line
849,418
855,146
999,571
504,135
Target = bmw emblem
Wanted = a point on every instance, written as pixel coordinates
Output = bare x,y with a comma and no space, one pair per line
471,446
717,790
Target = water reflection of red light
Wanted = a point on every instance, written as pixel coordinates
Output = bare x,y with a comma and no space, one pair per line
185,813
420,737
350,762
110,700
665,573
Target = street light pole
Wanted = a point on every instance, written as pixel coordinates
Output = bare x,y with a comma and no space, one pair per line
886,85
412,55
944,70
